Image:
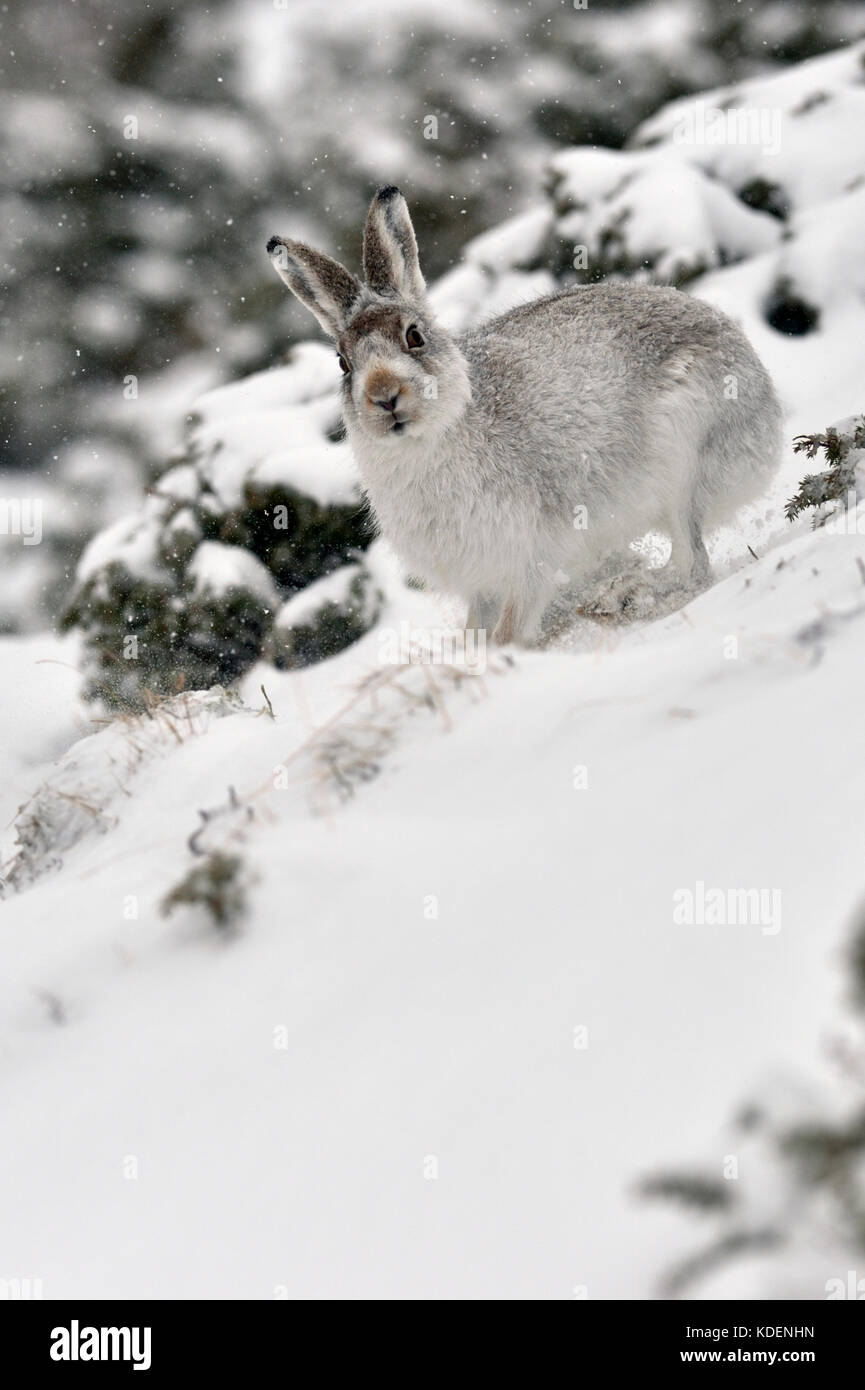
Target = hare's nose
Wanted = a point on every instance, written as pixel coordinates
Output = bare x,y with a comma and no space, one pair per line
387,402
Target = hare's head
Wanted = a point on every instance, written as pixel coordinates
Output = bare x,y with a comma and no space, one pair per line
403,376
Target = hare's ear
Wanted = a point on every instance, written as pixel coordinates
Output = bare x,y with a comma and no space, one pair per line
390,259
319,282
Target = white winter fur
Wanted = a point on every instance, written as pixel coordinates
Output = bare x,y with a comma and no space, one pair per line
645,407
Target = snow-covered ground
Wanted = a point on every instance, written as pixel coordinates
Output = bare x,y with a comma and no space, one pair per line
378,1086
459,1017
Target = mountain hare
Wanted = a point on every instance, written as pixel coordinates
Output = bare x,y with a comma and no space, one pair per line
544,441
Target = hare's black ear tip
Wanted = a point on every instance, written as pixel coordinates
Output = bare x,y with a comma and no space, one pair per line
388,192
272,244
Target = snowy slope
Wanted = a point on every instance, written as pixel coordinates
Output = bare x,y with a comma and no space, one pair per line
298,1159
458,1021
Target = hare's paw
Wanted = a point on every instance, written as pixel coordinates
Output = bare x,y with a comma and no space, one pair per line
674,586
627,596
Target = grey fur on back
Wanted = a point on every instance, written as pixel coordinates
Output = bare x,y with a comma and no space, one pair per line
644,406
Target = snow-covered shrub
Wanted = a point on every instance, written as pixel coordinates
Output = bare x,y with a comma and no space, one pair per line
652,212
327,617
185,592
842,482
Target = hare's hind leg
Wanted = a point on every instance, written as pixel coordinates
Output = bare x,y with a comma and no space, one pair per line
688,557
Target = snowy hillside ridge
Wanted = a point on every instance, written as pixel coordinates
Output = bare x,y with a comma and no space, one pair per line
695,190
76,799
263,471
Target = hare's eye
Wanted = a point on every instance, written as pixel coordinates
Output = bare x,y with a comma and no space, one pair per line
413,337
343,362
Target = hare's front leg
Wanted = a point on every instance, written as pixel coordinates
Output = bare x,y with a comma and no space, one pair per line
482,615
521,615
